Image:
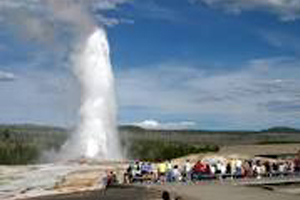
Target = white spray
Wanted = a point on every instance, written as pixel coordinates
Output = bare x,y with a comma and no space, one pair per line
96,135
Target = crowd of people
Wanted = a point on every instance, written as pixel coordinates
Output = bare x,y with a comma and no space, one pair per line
211,168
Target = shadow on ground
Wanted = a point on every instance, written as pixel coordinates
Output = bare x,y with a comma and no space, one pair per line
113,193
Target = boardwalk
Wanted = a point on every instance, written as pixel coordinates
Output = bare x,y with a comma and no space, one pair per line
226,192
270,181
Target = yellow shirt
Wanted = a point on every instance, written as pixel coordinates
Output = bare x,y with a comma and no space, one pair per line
162,167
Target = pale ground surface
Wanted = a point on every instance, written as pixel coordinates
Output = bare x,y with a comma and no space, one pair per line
252,150
19,182
246,151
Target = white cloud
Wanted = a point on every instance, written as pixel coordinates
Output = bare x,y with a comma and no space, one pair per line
41,19
249,96
154,10
7,76
50,95
281,39
156,125
40,96
285,9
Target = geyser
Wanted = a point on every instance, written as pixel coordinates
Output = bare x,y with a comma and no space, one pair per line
96,135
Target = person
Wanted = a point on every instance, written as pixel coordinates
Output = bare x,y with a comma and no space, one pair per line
169,171
169,165
267,165
223,170
166,195
136,171
239,165
187,169
111,179
257,168
213,169
274,169
128,175
176,175
162,169
247,166
147,172
198,170
233,168
144,169
282,168
228,168
297,163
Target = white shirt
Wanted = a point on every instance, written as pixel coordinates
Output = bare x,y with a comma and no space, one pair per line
187,167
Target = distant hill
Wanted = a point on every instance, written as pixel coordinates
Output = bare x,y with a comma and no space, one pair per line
32,128
282,130
271,135
47,129
279,129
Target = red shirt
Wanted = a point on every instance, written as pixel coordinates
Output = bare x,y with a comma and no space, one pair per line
200,167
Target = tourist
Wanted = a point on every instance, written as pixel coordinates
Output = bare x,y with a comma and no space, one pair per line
223,170
166,195
128,175
161,171
138,168
187,170
111,179
282,169
144,168
267,165
199,170
233,168
258,169
275,169
247,170
213,169
176,175
297,163
210,168
228,168
238,170
169,171
290,167
218,167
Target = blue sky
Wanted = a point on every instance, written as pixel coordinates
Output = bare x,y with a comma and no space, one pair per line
204,64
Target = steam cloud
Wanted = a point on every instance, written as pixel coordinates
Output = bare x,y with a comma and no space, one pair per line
96,135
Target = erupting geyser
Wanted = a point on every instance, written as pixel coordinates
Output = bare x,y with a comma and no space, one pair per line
96,136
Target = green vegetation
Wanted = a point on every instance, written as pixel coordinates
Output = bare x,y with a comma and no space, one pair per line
159,150
277,142
282,130
24,144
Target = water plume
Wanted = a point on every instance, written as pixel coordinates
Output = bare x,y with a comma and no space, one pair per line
96,135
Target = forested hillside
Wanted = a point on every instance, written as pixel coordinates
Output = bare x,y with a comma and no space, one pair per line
24,144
